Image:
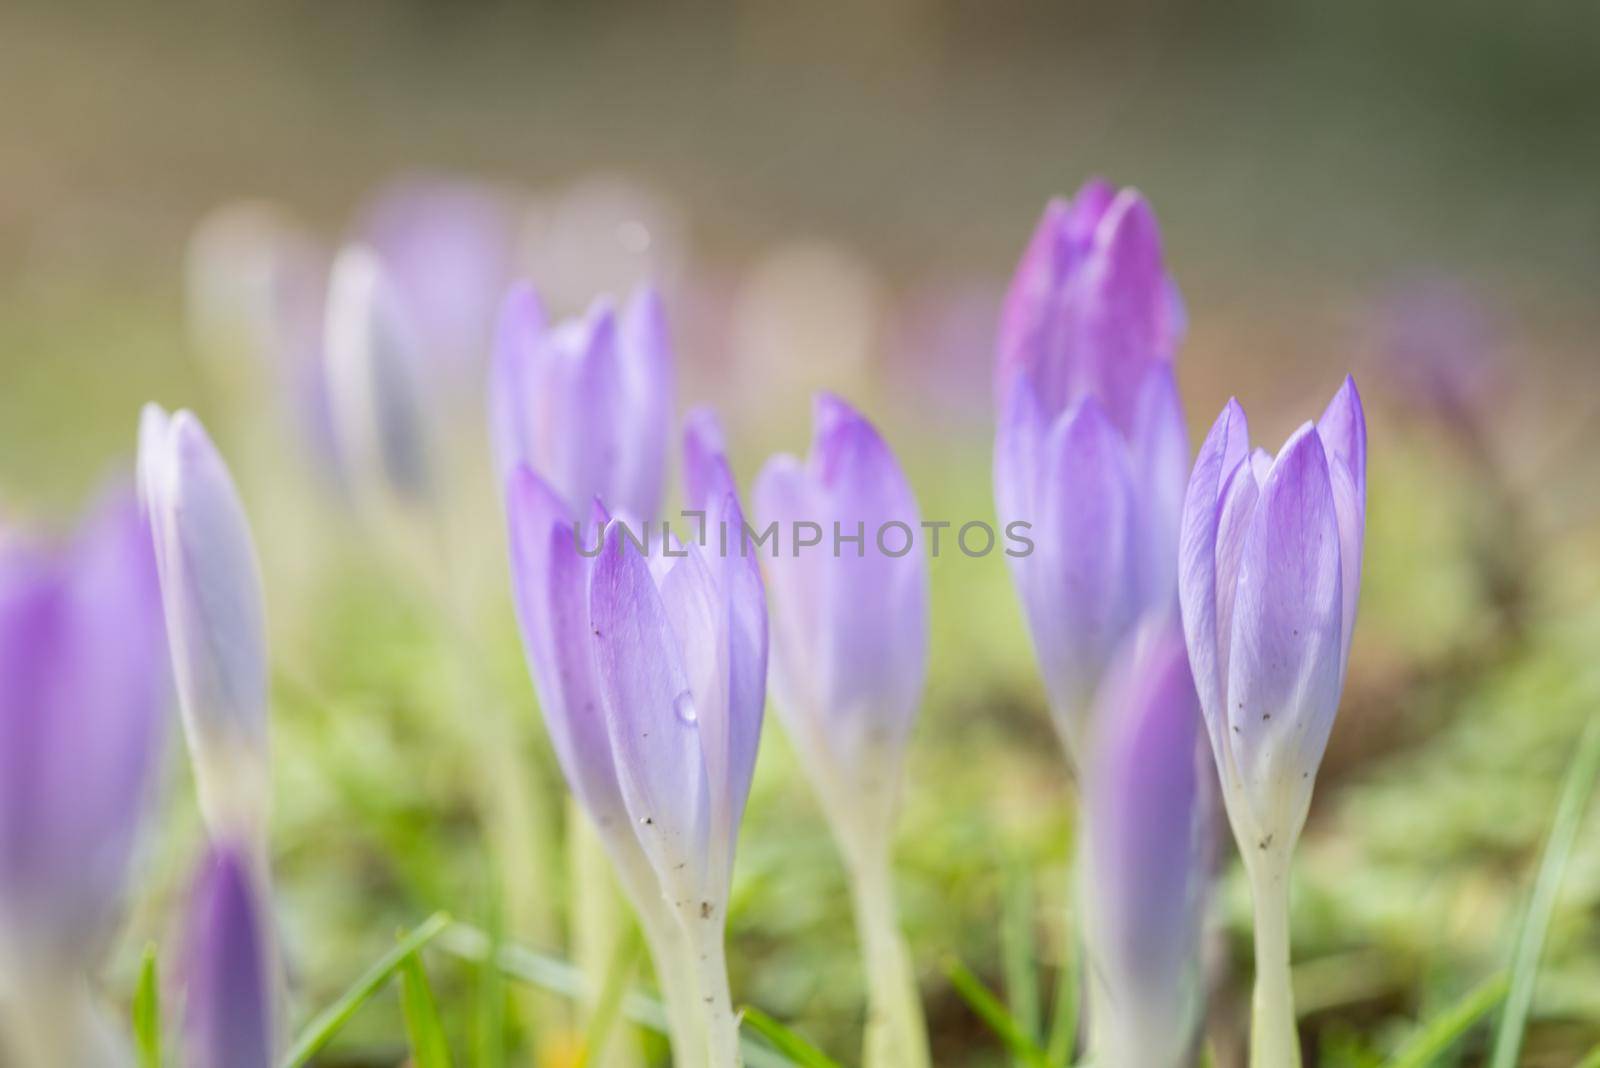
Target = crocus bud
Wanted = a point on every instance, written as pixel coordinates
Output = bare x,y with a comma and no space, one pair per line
211,590
1271,567
850,617
586,403
373,367
1144,864
681,647
449,244
1091,451
229,1002
83,694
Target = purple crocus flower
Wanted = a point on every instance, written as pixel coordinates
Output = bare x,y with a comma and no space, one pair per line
1270,572
1144,853
211,590
1271,569
681,644
1092,449
229,1003
83,692
850,627
450,246
664,784
586,403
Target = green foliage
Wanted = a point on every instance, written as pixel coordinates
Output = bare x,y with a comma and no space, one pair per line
424,1031
994,1014
1535,923
147,1011
786,1041
327,1023
1434,1039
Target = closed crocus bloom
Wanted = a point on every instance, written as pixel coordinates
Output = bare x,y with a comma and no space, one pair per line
1145,870
586,403
83,695
850,656
211,590
1271,568
1092,449
228,1010
373,362
681,647
850,632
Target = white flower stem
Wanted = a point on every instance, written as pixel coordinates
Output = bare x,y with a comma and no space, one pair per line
1274,1036
897,1036
705,930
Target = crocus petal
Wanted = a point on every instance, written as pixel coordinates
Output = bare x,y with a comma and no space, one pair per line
83,688
651,716
550,583
1284,670
1018,454
1224,449
1034,337
1081,587
1159,449
1125,326
742,614
513,380
1343,429
373,364
1146,871
228,1010
211,591
783,496
876,604
646,371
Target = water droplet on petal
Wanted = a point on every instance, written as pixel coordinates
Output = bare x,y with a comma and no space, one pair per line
683,705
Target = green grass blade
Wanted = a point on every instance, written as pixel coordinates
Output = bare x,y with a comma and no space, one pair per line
1433,1039
1063,1040
786,1041
1535,923
1592,1060
994,1014
147,1011
327,1024
1016,951
421,1010
608,1006
489,1020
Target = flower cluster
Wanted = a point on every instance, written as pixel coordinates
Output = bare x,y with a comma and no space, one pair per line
1192,625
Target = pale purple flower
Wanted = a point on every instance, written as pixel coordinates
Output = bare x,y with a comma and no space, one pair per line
229,1011
1270,572
375,379
211,590
586,403
1092,449
83,699
1145,854
450,246
850,626
681,647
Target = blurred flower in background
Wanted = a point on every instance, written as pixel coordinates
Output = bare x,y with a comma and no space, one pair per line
83,702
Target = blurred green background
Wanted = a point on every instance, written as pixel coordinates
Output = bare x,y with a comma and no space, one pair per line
846,188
